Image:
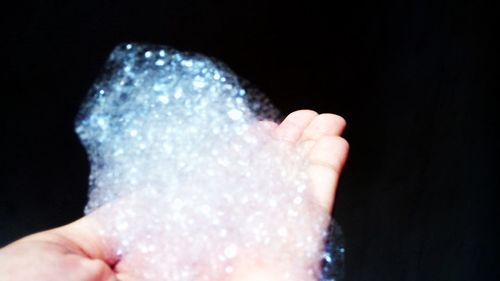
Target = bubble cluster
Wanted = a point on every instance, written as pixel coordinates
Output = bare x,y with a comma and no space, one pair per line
187,181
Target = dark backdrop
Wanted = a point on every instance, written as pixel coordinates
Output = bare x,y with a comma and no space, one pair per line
416,81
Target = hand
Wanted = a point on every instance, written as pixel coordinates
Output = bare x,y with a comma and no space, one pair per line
75,253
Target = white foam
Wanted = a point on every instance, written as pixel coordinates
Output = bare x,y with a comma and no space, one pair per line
188,184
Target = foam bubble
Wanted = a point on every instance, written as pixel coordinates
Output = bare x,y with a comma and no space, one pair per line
188,184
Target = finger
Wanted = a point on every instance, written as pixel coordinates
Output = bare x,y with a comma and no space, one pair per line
325,124
84,235
327,158
293,126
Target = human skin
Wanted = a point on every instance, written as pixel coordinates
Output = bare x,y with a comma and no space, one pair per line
75,252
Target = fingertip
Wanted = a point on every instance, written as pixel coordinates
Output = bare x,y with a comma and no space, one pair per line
291,129
325,124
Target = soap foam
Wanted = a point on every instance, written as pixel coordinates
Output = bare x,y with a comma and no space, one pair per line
189,183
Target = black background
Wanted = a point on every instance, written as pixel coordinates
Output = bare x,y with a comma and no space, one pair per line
417,82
